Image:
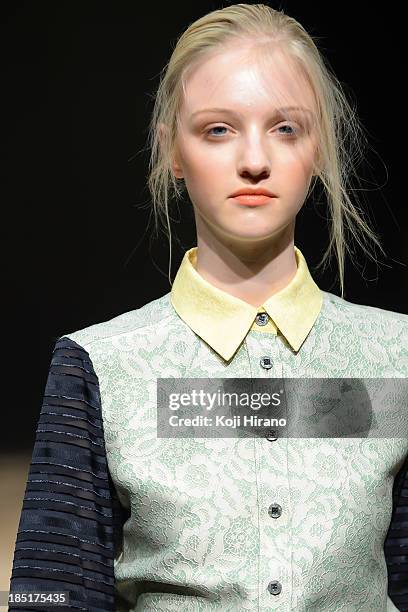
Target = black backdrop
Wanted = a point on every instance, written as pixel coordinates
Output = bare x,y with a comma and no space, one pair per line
76,93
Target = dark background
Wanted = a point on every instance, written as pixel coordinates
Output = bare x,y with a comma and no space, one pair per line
77,88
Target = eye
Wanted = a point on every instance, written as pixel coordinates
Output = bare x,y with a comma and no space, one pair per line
216,127
289,134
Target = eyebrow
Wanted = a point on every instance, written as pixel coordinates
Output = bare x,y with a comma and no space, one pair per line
283,109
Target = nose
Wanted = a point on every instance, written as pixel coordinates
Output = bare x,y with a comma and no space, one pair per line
254,160
255,173
254,169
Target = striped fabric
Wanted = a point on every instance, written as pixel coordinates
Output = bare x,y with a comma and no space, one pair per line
396,543
71,518
70,528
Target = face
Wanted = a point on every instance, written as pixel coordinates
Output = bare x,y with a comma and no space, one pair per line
247,145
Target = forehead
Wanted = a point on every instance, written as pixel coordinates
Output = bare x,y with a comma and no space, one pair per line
237,79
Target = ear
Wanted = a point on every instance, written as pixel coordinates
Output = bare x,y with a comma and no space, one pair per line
163,134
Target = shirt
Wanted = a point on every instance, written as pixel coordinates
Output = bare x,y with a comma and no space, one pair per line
223,320
126,520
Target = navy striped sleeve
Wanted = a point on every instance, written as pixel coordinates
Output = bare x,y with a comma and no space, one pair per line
396,542
71,520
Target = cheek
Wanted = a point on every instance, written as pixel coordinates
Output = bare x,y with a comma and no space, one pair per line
296,165
199,156
202,179
206,173
207,163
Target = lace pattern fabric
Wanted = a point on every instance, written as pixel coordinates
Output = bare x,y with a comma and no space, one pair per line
70,535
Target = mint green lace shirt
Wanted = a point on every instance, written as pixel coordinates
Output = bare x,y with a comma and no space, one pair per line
200,535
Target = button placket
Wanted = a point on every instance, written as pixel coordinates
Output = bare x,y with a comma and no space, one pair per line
265,361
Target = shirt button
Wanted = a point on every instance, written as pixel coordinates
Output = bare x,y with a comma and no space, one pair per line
274,587
271,436
266,362
275,510
262,318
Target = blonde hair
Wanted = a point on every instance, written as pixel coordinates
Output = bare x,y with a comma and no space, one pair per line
340,132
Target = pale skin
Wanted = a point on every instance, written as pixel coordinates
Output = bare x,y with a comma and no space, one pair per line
247,252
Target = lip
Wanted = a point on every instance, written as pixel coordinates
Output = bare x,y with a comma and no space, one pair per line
252,200
256,191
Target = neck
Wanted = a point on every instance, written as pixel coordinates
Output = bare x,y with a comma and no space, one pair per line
250,272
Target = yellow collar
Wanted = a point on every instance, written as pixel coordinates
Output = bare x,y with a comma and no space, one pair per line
223,320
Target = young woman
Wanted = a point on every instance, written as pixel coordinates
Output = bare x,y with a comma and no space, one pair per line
247,119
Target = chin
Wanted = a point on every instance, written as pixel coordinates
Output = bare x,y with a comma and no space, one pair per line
255,235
